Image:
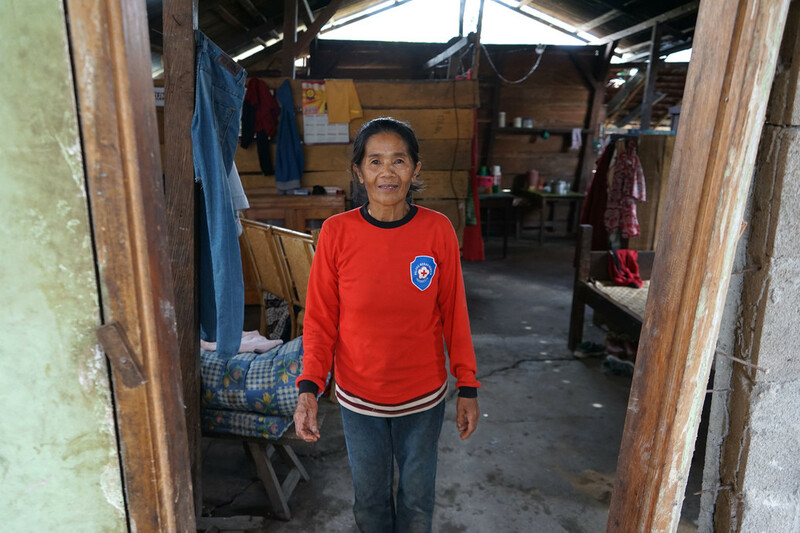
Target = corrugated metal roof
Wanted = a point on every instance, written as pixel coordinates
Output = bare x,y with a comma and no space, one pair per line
239,25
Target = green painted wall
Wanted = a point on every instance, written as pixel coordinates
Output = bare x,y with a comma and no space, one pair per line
59,469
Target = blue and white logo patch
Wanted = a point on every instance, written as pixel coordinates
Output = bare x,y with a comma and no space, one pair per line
423,267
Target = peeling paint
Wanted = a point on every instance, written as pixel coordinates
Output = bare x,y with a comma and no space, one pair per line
60,472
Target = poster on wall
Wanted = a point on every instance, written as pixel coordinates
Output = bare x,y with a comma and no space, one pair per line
316,128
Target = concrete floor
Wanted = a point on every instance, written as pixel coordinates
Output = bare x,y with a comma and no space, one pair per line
544,455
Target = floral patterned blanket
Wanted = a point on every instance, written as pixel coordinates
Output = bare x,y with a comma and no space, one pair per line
251,394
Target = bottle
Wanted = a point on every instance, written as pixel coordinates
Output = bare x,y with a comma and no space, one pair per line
497,178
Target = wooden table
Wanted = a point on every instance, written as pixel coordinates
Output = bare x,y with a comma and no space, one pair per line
542,198
497,201
294,212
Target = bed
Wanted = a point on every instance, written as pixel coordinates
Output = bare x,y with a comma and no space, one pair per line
621,309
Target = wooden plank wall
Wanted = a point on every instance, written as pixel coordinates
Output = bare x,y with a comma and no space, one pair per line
655,153
554,96
441,113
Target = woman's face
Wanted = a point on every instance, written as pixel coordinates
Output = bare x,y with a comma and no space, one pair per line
387,170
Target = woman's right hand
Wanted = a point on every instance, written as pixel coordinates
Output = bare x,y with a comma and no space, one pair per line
305,417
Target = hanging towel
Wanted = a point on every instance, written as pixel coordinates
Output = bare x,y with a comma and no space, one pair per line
260,118
343,103
289,160
627,188
623,268
577,140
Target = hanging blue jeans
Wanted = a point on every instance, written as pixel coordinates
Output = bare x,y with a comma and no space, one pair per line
373,444
219,93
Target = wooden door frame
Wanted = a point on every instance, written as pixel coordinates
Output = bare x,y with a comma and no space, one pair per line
110,48
179,25
729,80
727,89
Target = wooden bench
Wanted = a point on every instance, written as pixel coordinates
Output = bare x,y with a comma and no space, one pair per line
619,308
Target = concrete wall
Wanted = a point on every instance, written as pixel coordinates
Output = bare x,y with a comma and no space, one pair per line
752,473
59,469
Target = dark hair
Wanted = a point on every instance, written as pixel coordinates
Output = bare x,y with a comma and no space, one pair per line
385,125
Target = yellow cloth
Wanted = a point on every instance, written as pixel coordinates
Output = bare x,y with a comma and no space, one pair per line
343,104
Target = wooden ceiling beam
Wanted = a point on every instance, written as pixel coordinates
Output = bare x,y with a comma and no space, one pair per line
451,50
307,14
233,21
602,19
252,10
671,49
256,34
628,90
647,24
305,38
226,15
636,112
397,3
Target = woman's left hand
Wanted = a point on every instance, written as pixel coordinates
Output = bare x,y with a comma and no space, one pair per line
466,416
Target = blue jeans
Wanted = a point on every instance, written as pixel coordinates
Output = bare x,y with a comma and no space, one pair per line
219,93
373,444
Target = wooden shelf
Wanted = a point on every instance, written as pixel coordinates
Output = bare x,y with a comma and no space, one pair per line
557,130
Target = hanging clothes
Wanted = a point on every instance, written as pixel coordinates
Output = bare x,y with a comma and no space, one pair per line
627,188
594,204
219,92
343,103
260,113
289,159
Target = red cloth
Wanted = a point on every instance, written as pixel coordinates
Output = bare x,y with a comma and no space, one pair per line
623,267
627,188
594,204
266,107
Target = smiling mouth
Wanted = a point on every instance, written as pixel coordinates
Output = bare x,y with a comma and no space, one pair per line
387,187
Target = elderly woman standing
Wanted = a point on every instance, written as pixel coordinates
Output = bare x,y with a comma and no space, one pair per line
385,291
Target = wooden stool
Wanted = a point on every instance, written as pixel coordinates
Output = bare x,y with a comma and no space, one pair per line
262,452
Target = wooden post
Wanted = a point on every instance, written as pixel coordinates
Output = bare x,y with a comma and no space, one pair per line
289,37
593,116
111,55
648,98
180,23
476,59
735,50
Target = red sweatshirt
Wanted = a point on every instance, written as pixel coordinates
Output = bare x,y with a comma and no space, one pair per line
383,297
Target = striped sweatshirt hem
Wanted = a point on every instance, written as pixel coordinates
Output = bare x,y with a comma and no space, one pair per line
351,402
